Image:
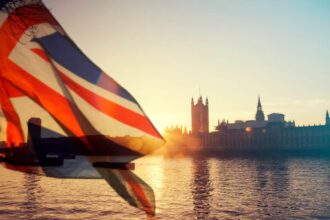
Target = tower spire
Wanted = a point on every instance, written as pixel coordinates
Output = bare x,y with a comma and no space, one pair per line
260,114
327,118
259,102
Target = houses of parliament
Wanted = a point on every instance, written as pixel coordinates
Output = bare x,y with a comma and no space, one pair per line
261,133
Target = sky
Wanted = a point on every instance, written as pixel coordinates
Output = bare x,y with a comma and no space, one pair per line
164,52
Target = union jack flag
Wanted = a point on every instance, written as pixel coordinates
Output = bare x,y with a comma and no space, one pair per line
44,74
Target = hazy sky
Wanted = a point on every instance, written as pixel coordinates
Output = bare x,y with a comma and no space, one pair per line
164,51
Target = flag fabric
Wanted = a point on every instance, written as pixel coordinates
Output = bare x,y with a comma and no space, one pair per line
44,74
136,192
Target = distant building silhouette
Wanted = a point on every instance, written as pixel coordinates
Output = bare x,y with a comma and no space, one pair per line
276,117
260,114
199,116
176,130
261,134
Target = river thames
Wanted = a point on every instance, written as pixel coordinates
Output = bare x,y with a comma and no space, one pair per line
185,188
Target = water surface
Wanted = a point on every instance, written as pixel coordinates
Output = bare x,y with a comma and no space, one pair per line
186,188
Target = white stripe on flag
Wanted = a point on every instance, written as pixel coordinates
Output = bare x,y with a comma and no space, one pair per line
36,66
26,109
100,91
45,29
105,124
117,131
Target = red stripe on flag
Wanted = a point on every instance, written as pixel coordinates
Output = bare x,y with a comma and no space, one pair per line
14,26
112,109
30,86
139,193
11,30
12,92
57,105
41,53
14,130
109,108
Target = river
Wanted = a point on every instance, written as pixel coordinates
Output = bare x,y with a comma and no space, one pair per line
185,188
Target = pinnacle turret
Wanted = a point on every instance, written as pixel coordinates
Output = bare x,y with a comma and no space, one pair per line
259,103
260,114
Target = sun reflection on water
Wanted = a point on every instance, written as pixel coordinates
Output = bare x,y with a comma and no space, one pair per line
185,188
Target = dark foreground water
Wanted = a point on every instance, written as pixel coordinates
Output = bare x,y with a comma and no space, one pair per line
185,189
